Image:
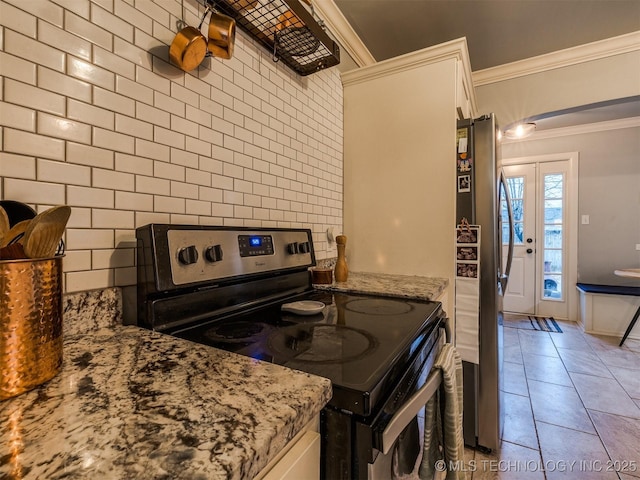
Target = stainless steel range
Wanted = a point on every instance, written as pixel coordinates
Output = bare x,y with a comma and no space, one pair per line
249,291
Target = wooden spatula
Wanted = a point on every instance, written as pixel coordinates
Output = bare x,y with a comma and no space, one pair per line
4,224
43,234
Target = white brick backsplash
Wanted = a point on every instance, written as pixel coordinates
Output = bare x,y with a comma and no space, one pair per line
134,90
110,22
134,127
168,204
168,104
113,101
67,129
133,164
89,280
17,117
90,197
67,42
181,157
17,68
135,17
77,260
168,170
61,172
153,115
153,150
16,141
91,73
94,116
157,186
134,201
48,11
87,113
113,179
87,155
89,238
131,52
116,141
34,192
113,63
33,97
87,30
111,218
17,166
18,20
80,218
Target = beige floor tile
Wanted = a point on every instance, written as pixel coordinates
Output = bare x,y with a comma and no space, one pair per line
620,357
559,405
621,438
629,379
604,395
513,462
568,454
512,352
630,476
571,338
539,343
602,342
518,421
583,361
514,379
545,369
632,344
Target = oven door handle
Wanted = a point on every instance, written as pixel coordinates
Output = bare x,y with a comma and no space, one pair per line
412,407
409,410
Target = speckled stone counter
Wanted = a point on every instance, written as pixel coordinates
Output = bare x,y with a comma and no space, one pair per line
135,404
403,286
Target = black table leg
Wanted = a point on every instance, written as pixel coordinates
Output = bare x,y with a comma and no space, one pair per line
633,322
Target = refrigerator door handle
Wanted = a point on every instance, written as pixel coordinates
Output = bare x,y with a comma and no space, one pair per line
504,278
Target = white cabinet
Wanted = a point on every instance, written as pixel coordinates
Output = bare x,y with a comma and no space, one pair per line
399,161
299,460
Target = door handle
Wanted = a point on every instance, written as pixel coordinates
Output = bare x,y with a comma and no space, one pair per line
529,250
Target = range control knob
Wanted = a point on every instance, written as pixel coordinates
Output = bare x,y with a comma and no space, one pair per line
292,248
304,247
188,255
213,253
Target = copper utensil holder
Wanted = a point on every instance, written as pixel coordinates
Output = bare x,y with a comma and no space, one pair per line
30,323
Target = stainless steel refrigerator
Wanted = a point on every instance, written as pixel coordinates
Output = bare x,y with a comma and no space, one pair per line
480,188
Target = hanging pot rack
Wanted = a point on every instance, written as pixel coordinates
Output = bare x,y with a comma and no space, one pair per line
286,29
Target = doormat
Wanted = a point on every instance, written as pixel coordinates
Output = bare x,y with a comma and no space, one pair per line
531,322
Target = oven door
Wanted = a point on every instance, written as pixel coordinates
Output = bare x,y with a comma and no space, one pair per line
397,432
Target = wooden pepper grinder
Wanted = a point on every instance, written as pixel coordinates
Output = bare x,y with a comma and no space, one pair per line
341,271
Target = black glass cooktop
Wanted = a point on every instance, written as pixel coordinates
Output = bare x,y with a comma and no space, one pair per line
359,342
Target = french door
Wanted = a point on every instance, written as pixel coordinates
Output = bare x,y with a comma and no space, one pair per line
543,196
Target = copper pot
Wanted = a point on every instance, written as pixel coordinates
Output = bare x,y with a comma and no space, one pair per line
189,47
222,34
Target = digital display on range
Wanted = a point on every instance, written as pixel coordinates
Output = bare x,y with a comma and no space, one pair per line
254,245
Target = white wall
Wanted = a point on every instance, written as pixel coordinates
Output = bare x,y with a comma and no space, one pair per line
93,116
609,192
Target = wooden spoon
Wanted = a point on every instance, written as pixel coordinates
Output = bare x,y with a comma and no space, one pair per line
16,231
4,224
44,232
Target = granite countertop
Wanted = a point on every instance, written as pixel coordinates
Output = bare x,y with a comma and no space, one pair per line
402,286
131,403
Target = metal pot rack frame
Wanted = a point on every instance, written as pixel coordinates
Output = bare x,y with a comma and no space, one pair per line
298,40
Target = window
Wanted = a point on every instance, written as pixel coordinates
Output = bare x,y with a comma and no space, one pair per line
553,206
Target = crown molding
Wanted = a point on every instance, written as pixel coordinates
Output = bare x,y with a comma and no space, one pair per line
631,122
344,32
629,42
455,49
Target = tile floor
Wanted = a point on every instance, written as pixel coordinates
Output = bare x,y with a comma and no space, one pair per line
572,408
